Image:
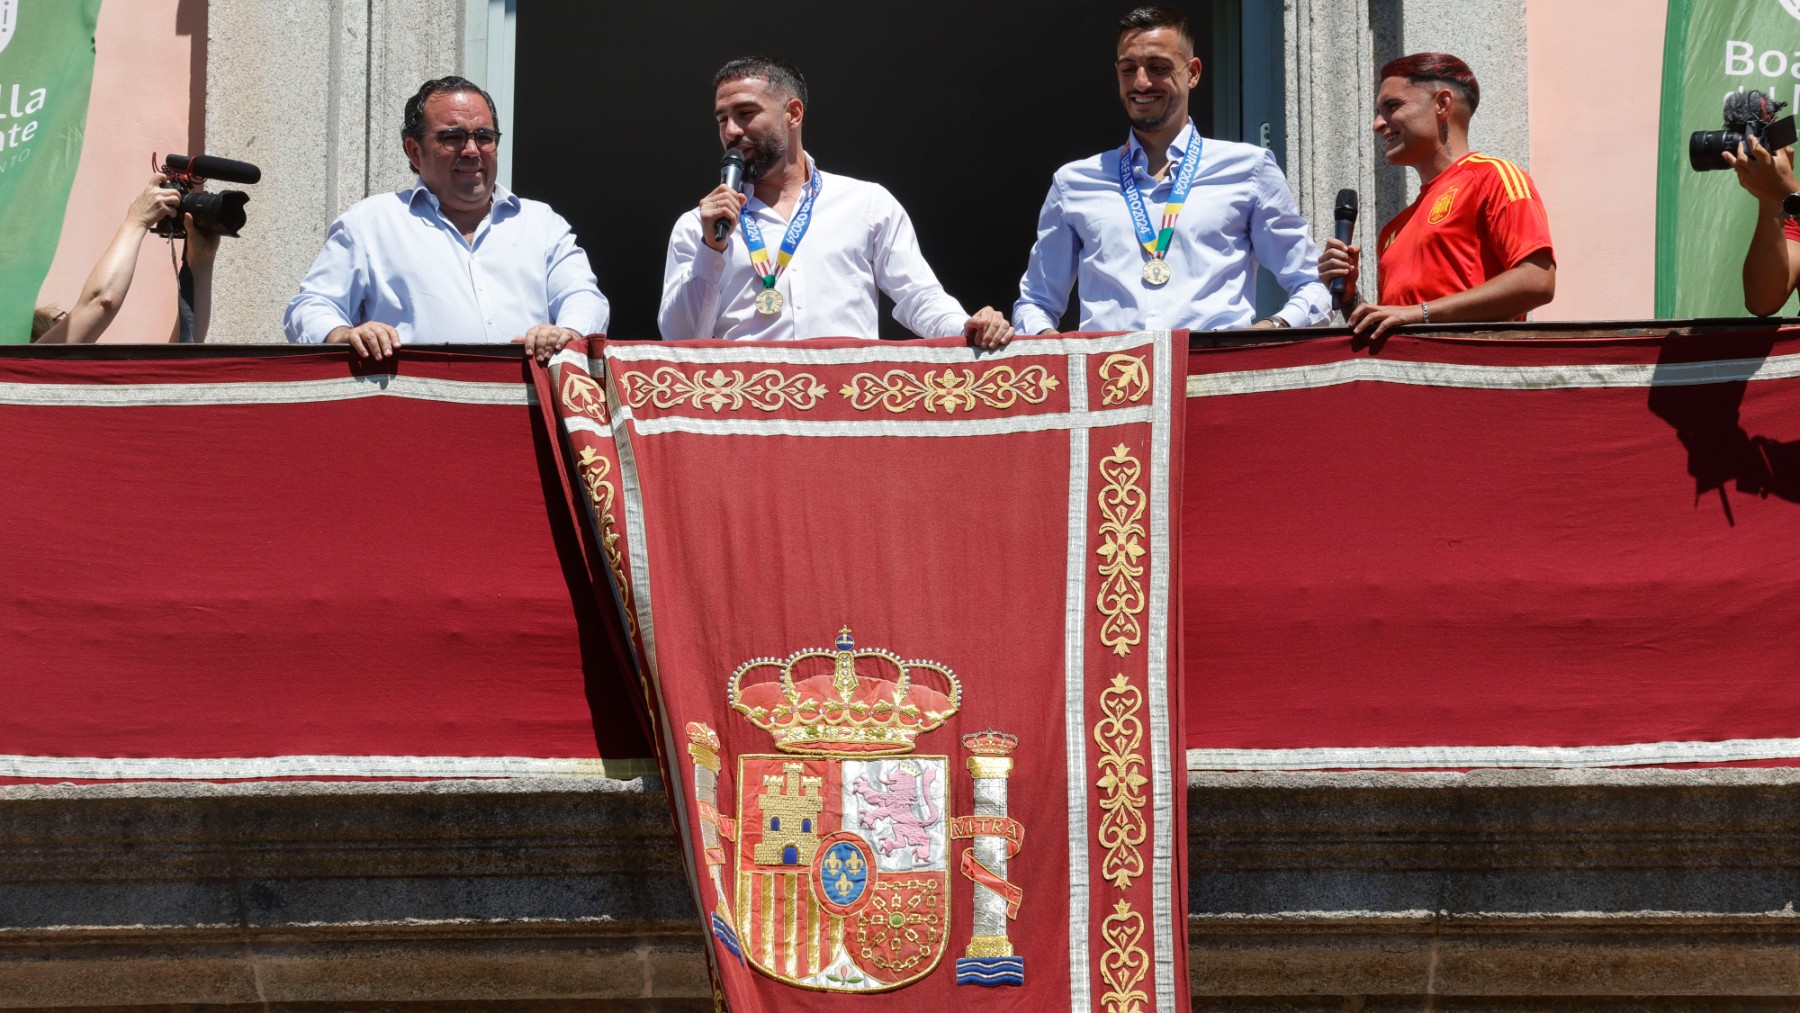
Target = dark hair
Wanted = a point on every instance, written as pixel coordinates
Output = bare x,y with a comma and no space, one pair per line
1437,68
1145,18
784,78
414,124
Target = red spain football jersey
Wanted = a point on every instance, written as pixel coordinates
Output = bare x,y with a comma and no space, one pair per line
1478,218
1792,228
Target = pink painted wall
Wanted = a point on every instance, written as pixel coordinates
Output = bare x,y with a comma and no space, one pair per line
149,95
1596,79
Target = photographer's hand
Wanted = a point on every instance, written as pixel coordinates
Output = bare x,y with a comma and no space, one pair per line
1767,175
154,204
202,245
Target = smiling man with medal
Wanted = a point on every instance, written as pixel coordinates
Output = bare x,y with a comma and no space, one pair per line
1225,209
843,240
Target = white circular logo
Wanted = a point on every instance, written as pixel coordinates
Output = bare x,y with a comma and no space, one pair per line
9,16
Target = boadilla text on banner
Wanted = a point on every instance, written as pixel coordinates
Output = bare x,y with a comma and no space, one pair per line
905,624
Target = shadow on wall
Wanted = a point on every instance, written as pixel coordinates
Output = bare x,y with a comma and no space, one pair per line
190,22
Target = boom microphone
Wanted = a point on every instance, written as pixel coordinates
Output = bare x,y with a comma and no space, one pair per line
731,176
1345,213
225,170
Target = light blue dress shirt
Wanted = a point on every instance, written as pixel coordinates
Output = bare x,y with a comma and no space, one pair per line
396,259
1239,213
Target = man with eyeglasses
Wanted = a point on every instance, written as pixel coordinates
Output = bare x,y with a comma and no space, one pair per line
456,258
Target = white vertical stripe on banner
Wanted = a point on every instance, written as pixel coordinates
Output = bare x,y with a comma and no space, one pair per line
1162,805
631,493
1075,693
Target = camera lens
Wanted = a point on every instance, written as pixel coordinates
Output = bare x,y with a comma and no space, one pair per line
221,212
1707,148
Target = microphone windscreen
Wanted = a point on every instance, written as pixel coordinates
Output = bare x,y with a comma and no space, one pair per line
732,157
1346,203
225,170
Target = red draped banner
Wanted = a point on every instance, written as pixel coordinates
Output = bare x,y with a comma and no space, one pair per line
1472,553
905,621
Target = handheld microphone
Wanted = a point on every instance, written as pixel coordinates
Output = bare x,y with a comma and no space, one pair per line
1345,213
731,176
225,170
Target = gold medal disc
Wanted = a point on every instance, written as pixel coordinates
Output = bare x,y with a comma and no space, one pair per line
1157,272
768,302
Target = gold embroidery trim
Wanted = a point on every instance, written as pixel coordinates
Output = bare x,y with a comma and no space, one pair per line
581,394
1121,596
1120,736
766,389
595,471
1124,378
949,390
1124,963
989,946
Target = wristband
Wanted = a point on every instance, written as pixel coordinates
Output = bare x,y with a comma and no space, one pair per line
1276,322
1424,314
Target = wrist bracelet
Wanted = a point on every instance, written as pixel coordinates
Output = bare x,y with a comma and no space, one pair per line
1424,314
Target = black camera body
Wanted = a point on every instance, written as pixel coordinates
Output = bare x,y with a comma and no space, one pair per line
221,212
1747,114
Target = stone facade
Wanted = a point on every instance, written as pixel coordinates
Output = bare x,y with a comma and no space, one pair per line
1489,891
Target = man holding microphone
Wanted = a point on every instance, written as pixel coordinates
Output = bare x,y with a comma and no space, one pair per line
802,253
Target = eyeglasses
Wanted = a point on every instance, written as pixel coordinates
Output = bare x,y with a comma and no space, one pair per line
454,140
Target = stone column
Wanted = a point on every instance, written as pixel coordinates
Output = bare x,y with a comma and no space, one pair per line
989,958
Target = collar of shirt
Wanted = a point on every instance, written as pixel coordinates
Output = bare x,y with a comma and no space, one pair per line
506,203
754,203
1140,159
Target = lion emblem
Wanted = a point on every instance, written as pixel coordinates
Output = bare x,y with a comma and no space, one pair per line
903,804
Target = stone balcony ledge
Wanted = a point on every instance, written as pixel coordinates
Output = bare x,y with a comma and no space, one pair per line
1491,890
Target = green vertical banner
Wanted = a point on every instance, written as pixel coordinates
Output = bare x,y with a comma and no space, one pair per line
46,72
1704,219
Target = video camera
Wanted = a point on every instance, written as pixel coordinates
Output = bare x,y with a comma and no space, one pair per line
221,212
1747,114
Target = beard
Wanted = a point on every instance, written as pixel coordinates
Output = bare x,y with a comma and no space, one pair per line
1155,119
765,154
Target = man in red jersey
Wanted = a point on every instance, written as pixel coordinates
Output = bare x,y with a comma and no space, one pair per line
1475,245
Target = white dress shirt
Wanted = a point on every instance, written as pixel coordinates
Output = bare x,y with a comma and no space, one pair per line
395,258
860,240
1239,213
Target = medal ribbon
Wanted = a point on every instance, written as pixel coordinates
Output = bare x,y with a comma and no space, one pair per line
1156,242
753,238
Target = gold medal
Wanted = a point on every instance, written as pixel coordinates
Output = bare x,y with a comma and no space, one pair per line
768,302
1157,272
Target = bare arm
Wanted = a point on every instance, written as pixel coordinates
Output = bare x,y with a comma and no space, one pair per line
104,291
1513,292
1772,263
